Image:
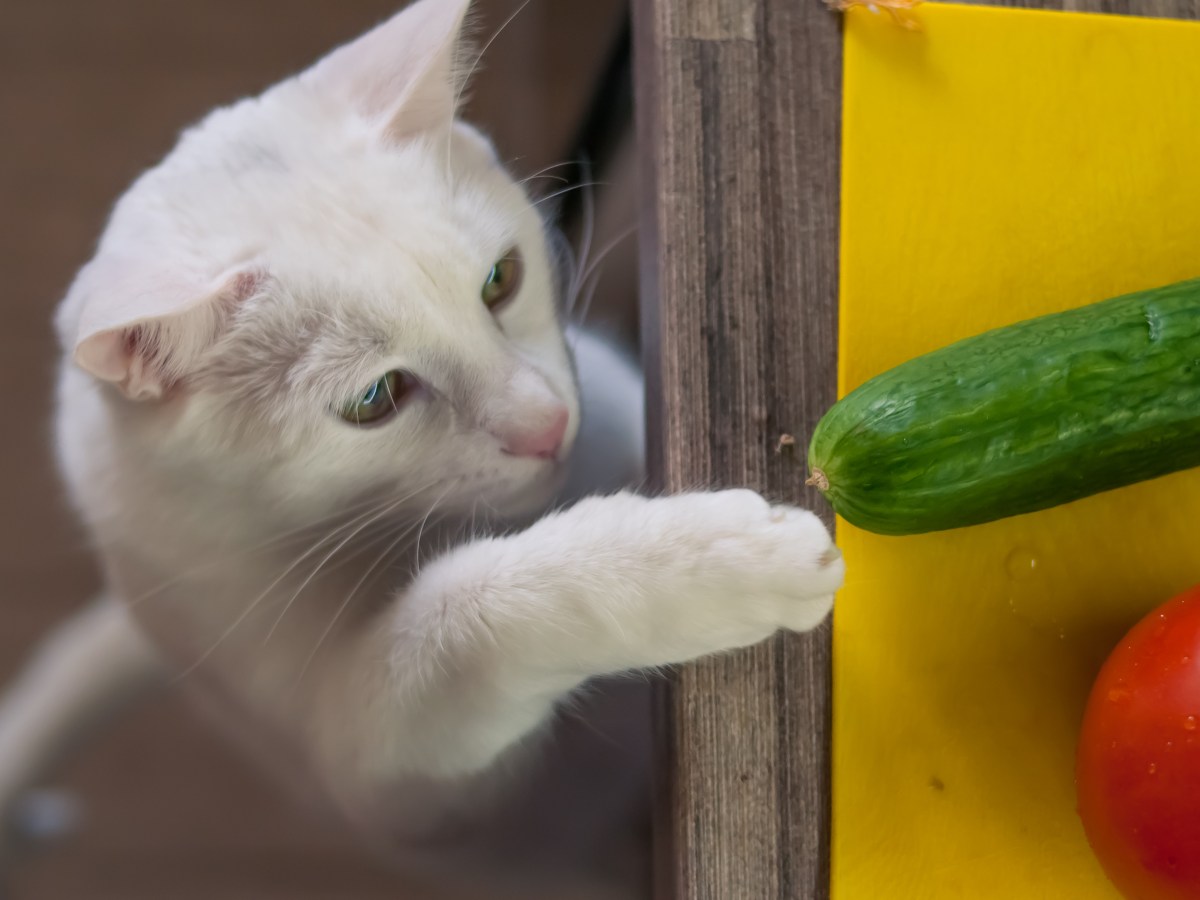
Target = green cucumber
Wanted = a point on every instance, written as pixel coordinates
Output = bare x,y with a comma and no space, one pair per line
1020,418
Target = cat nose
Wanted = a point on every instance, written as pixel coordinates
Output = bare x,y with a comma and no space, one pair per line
540,442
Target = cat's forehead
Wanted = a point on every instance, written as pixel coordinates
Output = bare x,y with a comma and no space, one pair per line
286,181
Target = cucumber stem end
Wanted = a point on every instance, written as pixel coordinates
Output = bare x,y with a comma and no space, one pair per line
819,480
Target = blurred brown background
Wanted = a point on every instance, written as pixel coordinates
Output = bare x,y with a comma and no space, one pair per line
90,94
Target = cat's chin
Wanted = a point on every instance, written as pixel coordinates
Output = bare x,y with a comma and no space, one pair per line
532,495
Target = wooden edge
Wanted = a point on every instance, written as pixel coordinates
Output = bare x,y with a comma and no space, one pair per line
738,115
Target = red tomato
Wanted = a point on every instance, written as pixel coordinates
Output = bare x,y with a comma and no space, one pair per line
1138,766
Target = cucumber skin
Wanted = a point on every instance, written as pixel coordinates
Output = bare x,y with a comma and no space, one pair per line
1020,418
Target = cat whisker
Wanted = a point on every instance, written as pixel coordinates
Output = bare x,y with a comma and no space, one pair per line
560,179
345,604
380,510
328,556
421,531
587,302
491,515
567,190
608,248
547,168
542,172
277,540
585,242
466,79
593,269
362,547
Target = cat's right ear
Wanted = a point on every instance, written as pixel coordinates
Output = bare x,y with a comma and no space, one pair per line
405,75
143,329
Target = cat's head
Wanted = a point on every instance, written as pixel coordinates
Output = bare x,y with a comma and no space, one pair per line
335,290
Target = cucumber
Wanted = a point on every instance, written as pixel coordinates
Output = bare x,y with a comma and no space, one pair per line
1020,418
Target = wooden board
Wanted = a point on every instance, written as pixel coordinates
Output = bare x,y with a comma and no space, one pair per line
738,106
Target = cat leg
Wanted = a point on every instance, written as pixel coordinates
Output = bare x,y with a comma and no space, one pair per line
84,672
488,638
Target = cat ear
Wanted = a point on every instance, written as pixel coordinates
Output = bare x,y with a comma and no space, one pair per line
143,329
403,74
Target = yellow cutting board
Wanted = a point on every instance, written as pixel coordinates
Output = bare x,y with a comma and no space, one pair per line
998,164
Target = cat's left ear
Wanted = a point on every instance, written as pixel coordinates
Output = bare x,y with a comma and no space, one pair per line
404,74
142,325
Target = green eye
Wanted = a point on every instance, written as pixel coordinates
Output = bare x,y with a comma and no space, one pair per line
503,280
380,400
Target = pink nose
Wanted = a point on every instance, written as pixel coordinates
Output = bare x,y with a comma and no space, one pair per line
542,442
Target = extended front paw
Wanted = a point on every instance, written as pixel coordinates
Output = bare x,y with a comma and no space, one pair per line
779,560
662,580
738,569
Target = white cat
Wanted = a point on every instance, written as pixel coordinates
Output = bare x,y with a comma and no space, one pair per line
317,346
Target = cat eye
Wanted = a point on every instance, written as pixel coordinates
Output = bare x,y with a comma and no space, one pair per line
382,398
504,280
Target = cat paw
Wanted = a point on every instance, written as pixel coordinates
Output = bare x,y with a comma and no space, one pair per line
777,562
668,579
736,567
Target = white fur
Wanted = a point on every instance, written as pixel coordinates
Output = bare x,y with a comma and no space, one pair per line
91,666
311,578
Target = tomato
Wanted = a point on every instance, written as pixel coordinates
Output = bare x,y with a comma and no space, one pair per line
1138,764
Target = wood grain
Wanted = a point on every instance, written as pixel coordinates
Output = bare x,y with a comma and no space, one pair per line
739,125
739,109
